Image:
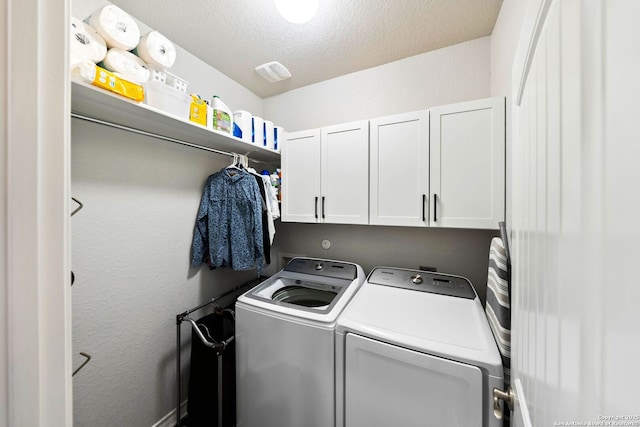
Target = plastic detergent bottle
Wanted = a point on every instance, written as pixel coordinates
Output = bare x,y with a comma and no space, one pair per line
275,182
222,117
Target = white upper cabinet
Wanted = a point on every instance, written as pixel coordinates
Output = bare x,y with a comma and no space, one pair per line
443,167
300,154
325,175
345,173
468,164
399,174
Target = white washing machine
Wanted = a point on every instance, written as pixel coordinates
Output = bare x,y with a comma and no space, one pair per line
414,348
285,344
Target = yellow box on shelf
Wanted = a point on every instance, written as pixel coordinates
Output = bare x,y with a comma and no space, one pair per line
98,76
198,110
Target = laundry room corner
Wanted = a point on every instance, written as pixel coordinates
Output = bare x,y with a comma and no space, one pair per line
132,239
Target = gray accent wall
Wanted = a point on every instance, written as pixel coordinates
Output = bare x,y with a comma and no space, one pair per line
454,251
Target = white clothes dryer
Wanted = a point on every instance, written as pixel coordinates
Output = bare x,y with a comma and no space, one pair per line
285,344
414,348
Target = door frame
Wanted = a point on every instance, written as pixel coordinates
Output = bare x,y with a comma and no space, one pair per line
35,307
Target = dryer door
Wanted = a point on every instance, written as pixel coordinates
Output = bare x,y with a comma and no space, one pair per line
386,385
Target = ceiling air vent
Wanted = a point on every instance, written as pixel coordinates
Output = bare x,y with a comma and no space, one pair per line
273,71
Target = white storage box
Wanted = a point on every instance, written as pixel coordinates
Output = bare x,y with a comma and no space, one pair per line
164,97
157,75
176,82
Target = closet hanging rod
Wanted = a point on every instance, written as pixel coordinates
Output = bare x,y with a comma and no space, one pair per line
154,135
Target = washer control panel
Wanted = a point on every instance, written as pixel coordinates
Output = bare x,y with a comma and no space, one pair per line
423,281
320,267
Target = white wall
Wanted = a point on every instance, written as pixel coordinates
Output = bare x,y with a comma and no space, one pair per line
504,40
131,247
453,74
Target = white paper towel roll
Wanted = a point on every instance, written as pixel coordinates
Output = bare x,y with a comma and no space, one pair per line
278,137
268,134
242,125
126,64
116,27
155,49
85,43
258,130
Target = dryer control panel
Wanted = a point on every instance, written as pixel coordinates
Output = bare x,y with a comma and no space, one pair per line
324,268
423,281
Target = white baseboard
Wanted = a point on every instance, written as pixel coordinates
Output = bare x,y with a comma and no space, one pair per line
170,420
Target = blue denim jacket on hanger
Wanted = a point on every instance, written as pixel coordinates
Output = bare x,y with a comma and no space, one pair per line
229,222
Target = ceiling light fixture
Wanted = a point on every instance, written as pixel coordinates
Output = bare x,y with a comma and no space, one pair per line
297,11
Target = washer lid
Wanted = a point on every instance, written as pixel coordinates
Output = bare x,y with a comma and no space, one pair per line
445,326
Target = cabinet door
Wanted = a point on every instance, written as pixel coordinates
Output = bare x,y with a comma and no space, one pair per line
301,176
468,164
345,173
399,177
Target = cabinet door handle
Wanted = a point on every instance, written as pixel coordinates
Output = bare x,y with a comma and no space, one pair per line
424,212
316,207
322,207
435,207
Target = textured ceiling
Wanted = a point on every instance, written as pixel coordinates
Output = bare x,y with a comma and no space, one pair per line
235,36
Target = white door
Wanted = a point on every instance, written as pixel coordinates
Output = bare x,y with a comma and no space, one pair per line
467,157
399,175
387,385
301,176
575,236
345,173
